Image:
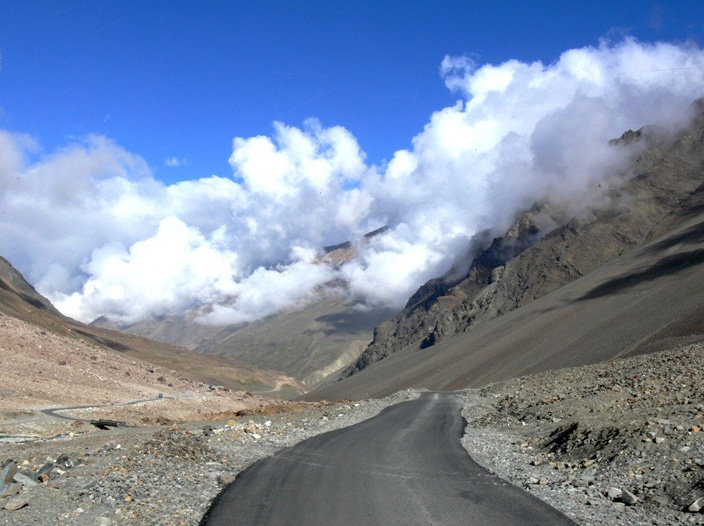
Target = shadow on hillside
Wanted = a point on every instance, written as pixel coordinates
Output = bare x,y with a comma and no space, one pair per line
693,235
353,322
667,266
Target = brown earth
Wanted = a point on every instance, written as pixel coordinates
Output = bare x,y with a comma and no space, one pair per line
43,370
20,300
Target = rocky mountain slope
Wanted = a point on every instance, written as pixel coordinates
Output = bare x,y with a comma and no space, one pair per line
648,299
20,301
542,251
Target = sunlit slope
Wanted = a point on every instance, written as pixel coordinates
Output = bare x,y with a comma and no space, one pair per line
308,343
20,300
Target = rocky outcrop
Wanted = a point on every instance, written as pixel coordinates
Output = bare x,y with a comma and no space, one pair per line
16,293
545,250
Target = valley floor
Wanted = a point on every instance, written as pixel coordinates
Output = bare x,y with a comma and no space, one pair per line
620,442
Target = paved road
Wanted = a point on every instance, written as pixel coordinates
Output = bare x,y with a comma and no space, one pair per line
405,467
54,411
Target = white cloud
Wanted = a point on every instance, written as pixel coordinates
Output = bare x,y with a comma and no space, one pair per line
166,274
96,233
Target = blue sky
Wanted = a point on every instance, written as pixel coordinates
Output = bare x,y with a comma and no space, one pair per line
439,120
182,79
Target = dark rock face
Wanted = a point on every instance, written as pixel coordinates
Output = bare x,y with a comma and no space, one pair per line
546,248
12,283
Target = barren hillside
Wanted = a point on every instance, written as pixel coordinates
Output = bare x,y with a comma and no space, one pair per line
660,191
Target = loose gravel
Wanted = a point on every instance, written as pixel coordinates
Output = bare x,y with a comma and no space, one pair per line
617,443
161,476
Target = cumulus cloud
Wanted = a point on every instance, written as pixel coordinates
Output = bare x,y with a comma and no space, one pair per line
94,231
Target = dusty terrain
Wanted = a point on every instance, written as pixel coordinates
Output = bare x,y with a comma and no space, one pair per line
41,369
20,300
618,442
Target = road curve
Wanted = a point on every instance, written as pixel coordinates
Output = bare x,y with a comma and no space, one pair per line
404,467
54,411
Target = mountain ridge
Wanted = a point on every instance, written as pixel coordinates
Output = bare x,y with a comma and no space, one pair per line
665,174
20,300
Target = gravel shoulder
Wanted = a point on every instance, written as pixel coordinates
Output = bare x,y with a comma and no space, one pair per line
614,443
156,475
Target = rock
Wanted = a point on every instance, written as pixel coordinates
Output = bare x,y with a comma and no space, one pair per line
9,490
66,461
7,471
613,493
696,506
225,478
25,480
45,470
628,498
580,483
661,500
16,503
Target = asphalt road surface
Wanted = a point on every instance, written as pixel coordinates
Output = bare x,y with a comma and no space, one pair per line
404,467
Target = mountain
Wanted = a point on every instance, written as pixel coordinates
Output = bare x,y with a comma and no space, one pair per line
649,299
18,299
529,262
621,277
309,342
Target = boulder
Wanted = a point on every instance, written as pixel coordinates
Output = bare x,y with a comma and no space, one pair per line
25,480
613,493
9,490
44,472
628,498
